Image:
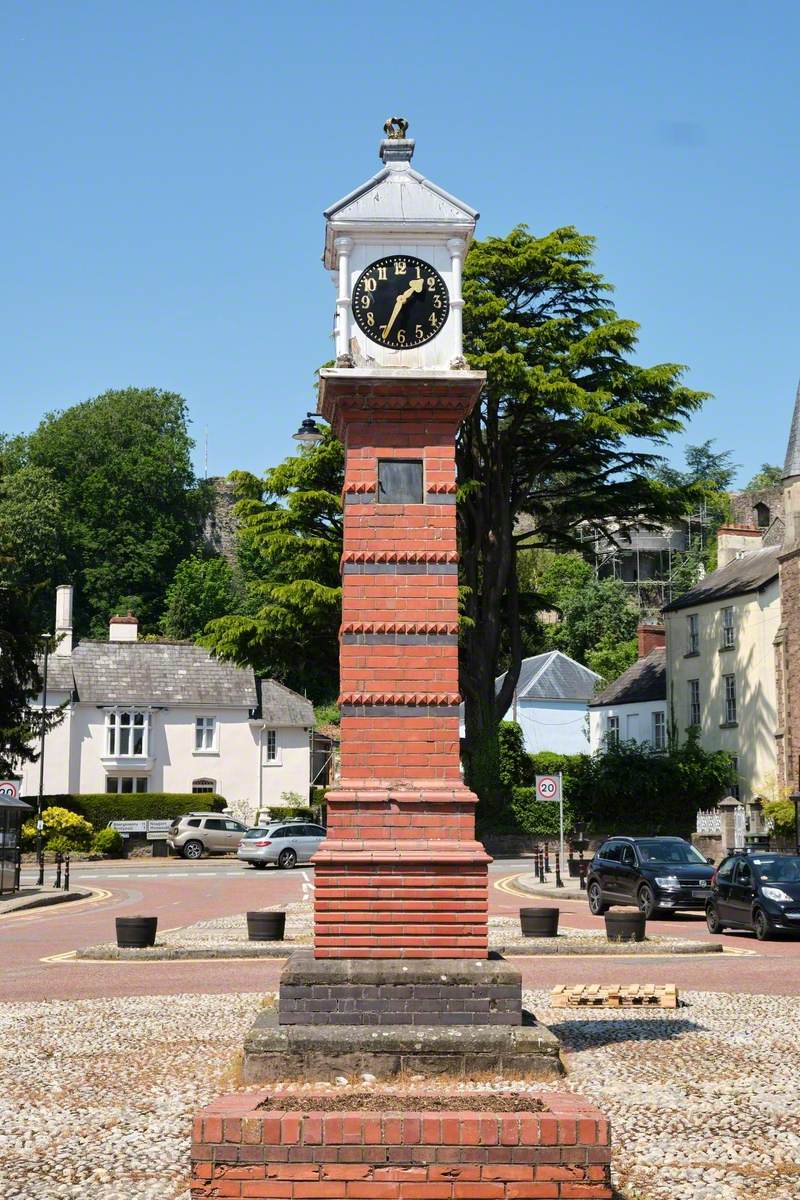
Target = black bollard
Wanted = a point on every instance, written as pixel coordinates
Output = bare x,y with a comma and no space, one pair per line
66,874
547,858
59,860
559,880
40,880
582,874
541,866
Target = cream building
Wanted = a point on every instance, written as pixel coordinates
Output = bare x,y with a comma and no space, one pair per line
167,717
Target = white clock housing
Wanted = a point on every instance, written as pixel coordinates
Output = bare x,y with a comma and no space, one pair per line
398,211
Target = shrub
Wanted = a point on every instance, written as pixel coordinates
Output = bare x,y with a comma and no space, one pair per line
286,812
781,813
101,807
69,828
27,836
107,841
538,817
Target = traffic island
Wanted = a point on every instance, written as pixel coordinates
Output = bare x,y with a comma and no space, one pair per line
391,1146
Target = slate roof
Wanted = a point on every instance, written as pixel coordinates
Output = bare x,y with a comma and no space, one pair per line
553,676
792,464
645,680
749,573
171,673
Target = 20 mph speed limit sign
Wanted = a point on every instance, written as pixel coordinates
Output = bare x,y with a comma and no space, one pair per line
548,787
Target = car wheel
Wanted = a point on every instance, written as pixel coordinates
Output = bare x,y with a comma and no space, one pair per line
647,900
596,905
287,859
193,849
762,925
712,920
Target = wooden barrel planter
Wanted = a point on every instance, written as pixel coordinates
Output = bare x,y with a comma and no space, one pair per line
539,922
266,926
628,926
134,933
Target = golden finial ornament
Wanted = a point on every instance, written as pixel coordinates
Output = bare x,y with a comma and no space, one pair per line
395,128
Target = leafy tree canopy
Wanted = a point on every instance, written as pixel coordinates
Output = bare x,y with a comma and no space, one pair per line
555,436
202,590
290,543
131,506
704,466
767,477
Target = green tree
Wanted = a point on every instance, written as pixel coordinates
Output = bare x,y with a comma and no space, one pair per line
30,531
610,657
290,543
599,611
202,590
555,436
706,479
767,477
132,508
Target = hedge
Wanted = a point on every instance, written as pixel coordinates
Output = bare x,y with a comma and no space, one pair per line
101,807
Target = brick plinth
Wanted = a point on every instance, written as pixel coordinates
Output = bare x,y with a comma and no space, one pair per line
400,874
242,1148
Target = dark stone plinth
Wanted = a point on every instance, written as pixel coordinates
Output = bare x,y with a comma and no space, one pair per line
279,1052
389,992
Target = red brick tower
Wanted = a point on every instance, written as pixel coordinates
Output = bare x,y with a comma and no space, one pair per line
400,874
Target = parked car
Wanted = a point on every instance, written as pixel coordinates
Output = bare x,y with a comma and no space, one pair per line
658,874
759,890
196,833
283,843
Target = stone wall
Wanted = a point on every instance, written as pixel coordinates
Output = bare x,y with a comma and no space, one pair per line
787,672
241,1148
743,505
220,528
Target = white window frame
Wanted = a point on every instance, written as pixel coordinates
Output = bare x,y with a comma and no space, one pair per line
202,726
612,730
631,726
659,727
272,749
693,633
136,790
729,699
116,730
204,786
728,628
695,710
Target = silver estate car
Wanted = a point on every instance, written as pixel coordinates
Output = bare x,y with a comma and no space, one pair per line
283,843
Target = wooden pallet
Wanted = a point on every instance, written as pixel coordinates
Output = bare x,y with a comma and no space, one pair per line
633,995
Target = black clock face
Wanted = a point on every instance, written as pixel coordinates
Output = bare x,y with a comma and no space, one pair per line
400,302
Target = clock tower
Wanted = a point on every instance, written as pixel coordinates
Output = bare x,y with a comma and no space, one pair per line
400,874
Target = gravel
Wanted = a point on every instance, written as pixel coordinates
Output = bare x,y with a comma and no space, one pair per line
98,1095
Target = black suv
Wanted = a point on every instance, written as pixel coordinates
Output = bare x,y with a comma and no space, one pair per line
759,890
658,874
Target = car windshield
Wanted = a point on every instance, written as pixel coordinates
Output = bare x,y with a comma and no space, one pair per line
679,854
785,869
255,833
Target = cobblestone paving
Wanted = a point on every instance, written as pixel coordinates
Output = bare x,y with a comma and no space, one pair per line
97,1095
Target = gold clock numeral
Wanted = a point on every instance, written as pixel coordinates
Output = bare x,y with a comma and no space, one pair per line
401,337
419,332
370,318
431,282
419,273
382,274
365,301
433,320
370,285
400,266
437,301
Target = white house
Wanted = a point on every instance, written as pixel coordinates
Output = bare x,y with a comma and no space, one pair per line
634,707
168,717
550,703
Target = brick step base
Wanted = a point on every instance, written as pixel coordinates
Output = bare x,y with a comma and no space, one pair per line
243,1148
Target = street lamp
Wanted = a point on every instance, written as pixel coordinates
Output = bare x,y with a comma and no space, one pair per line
309,433
46,638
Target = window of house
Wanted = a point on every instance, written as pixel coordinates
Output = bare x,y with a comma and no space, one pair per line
694,702
271,745
728,631
127,733
124,784
693,634
735,776
205,734
203,786
631,726
399,481
730,699
659,731
612,731
762,515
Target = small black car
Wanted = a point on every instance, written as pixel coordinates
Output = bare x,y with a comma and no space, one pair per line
659,874
759,891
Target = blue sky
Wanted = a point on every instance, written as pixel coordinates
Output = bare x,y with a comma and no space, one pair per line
166,164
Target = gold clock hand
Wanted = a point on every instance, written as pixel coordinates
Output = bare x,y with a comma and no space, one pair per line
414,286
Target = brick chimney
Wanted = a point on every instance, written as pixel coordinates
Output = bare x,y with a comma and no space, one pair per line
123,629
652,636
63,620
